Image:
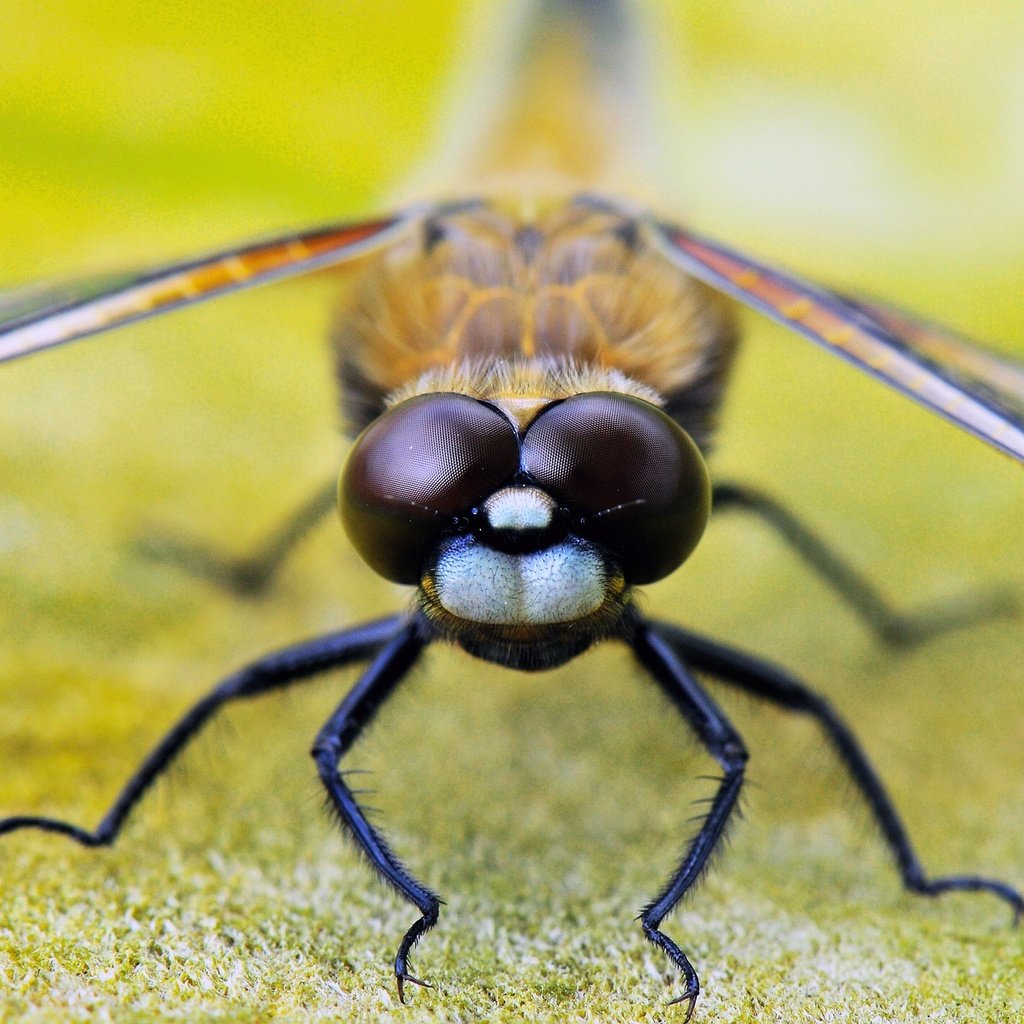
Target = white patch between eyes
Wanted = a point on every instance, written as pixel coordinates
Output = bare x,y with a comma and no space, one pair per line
519,508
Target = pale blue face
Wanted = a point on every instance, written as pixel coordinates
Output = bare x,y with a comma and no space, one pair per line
524,538
563,582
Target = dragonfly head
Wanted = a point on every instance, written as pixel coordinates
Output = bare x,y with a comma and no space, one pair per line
524,541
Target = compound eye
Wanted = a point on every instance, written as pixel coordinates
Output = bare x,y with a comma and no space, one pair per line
633,474
414,468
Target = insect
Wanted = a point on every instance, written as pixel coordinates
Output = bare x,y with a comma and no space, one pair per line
534,378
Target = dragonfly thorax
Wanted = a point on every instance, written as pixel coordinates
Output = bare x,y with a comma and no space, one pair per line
486,298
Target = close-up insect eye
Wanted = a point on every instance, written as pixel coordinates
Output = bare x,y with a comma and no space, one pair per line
634,474
424,461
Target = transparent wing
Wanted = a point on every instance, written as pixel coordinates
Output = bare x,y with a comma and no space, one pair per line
1002,376
960,380
35,318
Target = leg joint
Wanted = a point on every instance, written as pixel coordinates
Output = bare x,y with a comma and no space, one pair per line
326,755
734,756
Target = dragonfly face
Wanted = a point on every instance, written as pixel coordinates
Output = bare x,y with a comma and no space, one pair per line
524,541
521,480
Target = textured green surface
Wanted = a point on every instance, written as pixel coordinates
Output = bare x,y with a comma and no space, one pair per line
880,146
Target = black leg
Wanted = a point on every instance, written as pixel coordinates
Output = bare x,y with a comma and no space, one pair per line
890,626
248,575
724,744
338,734
269,673
771,683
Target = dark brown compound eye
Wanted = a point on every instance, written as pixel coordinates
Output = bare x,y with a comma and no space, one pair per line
631,472
414,468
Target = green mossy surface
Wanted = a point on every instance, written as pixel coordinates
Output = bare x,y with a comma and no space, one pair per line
546,809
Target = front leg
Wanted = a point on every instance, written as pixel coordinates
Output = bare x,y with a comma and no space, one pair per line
338,734
767,681
275,671
724,744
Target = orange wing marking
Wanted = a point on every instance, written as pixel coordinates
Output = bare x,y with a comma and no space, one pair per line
959,380
178,285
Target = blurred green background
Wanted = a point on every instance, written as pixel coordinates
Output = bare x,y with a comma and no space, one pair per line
876,145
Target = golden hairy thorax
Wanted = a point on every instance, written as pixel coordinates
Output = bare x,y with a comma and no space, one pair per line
521,309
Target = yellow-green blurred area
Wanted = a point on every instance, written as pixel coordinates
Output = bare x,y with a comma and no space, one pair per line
876,145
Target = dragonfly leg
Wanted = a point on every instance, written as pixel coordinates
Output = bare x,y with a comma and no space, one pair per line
724,744
246,575
277,670
897,629
338,734
767,681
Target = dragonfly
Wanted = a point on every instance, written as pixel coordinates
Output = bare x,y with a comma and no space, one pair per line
532,368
